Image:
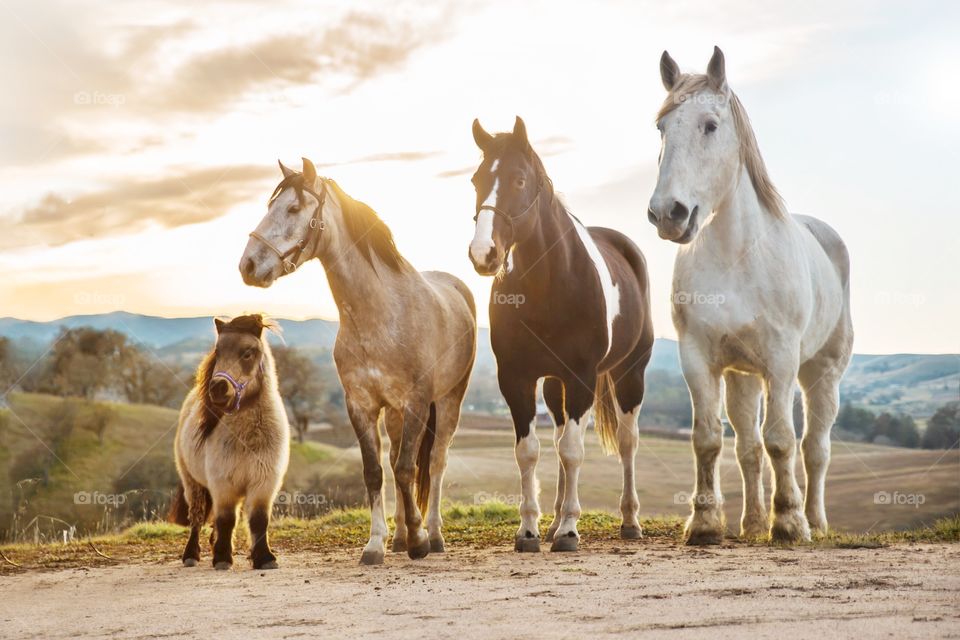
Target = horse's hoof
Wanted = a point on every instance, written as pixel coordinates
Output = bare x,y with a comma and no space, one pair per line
790,528
398,545
190,562
630,532
436,545
704,537
223,565
272,564
526,545
369,557
568,542
419,551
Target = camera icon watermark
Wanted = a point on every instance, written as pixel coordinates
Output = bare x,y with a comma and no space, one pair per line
897,498
87,298
99,99
693,499
97,499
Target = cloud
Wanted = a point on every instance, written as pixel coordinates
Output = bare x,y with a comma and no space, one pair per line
182,198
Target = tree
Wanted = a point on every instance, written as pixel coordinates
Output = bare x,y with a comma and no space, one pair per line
301,388
901,429
146,380
84,361
943,428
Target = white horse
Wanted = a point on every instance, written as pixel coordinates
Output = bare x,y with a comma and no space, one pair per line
760,298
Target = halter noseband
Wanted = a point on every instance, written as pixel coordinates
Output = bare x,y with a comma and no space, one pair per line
316,226
513,220
238,387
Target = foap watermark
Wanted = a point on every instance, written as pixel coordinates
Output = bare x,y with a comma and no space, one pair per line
98,298
683,497
705,98
484,497
698,298
97,499
99,99
511,299
296,498
895,497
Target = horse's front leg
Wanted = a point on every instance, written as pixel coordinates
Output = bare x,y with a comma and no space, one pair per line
363,416
416,412
788,522
578,398
261,555
706,522
520,394
225,508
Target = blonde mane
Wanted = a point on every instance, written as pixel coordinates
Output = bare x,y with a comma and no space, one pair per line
690,84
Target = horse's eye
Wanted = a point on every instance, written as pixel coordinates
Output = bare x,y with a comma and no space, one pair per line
248,354
521,182
710,127
294,208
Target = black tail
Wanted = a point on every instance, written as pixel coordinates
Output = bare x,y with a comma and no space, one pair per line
423,461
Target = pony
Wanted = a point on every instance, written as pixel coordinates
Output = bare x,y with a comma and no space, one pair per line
232,443
404,349
761,300
568,304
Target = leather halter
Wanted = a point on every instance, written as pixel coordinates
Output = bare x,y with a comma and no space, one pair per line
313,231
513,220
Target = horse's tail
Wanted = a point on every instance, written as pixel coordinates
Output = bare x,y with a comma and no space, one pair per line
179,510
423,461
605,413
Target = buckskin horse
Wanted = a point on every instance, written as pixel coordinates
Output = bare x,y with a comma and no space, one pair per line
405,347
577,315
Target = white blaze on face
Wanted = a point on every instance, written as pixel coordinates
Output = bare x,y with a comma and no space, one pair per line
611,296
483,235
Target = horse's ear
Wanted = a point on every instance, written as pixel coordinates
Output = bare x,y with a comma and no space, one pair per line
669,71
520,132
219,324
480,136
309,173
716,70
285,170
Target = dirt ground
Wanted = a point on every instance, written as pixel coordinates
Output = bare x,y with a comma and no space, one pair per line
650,588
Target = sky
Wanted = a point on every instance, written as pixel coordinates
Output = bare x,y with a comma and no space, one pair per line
140,139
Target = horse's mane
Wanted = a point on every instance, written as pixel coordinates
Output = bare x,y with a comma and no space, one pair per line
689,84
367,231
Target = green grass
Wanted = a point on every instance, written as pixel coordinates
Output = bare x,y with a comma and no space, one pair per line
491,525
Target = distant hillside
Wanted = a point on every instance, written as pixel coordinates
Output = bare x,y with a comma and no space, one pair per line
914,384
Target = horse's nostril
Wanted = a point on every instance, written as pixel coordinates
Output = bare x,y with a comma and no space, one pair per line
491,256
679,212
219,388
248,267
651,216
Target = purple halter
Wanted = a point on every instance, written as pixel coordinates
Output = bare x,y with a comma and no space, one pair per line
238,387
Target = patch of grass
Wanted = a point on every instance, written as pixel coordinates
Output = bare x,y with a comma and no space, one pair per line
311,452
492,524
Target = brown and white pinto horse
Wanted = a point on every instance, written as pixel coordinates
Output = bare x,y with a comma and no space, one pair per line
569,304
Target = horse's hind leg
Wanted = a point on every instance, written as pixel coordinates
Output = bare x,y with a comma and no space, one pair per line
448,417
363,417
553,397
393,420
743,409
820,380
629,388
198,510
578,398
415,418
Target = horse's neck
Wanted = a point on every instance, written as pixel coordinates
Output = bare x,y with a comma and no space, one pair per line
738,224
543,255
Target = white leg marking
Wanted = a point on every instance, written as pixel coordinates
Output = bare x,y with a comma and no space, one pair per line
570,449
378,526
628,439
611,295
528,454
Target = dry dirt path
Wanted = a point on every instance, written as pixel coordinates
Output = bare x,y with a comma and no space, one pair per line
653,589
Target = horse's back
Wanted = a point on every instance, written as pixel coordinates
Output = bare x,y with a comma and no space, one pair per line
446,282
